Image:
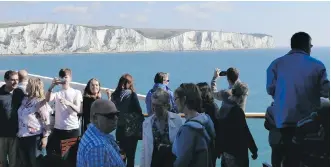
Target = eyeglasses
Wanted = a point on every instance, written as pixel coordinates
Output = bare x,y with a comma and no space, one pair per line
109,115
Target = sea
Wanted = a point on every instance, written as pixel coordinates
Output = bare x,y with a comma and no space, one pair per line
184,67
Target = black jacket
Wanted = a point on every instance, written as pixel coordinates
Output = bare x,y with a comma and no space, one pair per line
236,137
9,104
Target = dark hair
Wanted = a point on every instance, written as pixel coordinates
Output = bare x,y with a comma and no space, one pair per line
192,94
87,90
64,72
301,41
159,77
232,74
122,84
206,94
208,105
9,73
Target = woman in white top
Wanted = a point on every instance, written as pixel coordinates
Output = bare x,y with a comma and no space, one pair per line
33,121
159,132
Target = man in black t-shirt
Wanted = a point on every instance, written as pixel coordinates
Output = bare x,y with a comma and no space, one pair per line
10,100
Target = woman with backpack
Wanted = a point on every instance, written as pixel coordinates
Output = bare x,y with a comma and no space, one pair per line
129,126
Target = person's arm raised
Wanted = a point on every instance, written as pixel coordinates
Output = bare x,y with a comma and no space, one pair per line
49,96
218,95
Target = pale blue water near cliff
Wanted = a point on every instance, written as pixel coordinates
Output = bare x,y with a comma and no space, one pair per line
182,66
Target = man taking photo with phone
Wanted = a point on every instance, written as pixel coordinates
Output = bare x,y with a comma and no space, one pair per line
67,107
236,137
237,91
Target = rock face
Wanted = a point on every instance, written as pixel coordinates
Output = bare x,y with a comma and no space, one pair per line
47,38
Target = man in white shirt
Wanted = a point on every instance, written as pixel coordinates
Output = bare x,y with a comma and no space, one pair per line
67,107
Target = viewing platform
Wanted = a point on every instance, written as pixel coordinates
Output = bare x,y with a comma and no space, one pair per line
255,121
81,87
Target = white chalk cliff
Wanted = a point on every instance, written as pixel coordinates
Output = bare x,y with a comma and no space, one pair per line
45,38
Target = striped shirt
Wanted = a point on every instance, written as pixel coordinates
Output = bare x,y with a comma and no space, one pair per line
97,149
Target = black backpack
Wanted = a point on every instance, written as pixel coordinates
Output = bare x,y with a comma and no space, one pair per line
312,136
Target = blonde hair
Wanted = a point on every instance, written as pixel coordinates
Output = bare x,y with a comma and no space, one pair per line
36,88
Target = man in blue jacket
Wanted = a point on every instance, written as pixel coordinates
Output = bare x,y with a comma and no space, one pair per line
161,80
296,82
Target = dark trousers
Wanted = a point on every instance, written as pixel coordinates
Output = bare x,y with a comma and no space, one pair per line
27,147
58,135
289,151
162,157
276,155
8,152
129,146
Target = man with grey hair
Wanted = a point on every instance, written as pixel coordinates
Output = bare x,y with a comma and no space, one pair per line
161,80
97,146
23,80
159,131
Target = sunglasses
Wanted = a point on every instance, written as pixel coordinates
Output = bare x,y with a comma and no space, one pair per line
110,115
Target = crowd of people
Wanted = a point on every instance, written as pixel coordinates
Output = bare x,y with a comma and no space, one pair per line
296,82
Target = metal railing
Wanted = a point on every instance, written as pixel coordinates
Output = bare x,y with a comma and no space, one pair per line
81,86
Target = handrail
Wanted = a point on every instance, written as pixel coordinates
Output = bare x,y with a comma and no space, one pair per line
248,115
140,96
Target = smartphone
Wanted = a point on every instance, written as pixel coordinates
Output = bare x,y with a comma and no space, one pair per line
62,81
222,73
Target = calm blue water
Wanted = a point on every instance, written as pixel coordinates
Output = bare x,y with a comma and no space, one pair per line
182,66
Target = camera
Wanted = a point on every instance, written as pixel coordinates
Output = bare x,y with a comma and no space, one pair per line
222,73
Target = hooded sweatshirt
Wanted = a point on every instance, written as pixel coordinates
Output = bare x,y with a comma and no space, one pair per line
192,145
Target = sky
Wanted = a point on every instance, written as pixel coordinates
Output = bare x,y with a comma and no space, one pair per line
278,19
